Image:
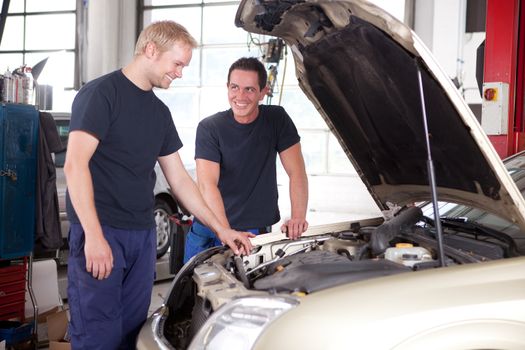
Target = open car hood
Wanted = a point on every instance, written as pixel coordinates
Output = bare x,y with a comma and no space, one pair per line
358,66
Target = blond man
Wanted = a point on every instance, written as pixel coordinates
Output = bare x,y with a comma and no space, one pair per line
118,130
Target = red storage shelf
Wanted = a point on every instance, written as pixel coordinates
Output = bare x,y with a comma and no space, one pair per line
12,310
12,273
12,291
12,295
10,288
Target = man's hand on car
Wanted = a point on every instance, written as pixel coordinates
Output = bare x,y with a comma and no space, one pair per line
238,241
294,228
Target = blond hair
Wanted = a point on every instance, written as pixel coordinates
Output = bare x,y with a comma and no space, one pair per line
164,34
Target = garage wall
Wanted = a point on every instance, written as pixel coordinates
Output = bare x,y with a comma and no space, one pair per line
441,26
111,28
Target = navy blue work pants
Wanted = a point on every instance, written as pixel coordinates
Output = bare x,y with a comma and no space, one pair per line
108,314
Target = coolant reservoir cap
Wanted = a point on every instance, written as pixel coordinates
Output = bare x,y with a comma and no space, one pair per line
404,245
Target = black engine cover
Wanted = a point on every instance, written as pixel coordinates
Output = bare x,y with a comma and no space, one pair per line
316,270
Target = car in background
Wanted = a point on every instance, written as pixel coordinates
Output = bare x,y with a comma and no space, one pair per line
407,280
165,203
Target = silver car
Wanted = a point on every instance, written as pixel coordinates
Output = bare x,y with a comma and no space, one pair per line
416,278
165,203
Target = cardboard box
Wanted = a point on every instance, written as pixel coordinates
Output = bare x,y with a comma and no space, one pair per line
56,331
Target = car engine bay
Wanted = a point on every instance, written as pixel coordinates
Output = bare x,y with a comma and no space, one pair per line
313,263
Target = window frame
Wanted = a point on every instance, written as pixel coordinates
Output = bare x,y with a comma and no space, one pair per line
24,51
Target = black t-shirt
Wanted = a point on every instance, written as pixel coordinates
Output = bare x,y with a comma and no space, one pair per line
134,128
247,157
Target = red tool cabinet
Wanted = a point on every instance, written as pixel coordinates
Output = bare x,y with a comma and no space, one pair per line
12,290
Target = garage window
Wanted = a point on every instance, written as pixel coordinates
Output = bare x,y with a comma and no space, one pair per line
201,92
39,29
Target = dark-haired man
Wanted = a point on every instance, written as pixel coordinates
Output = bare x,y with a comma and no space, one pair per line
235,153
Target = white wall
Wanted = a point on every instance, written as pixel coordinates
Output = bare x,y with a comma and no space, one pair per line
437,23
111,36
441,26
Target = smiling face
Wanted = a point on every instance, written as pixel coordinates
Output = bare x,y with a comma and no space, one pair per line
168,65
244,95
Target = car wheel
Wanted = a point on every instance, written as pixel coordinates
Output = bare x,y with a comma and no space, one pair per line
162,213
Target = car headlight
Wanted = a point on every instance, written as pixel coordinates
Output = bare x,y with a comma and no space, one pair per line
237,325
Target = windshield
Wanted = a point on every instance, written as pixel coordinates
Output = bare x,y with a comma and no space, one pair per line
516,168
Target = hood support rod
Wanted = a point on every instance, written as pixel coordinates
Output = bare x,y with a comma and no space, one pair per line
431,173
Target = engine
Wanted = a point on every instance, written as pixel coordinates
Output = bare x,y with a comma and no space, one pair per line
331,256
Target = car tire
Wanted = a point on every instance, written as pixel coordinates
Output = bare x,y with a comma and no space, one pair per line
162,213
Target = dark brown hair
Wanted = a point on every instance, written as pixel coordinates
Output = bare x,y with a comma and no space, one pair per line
251,64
